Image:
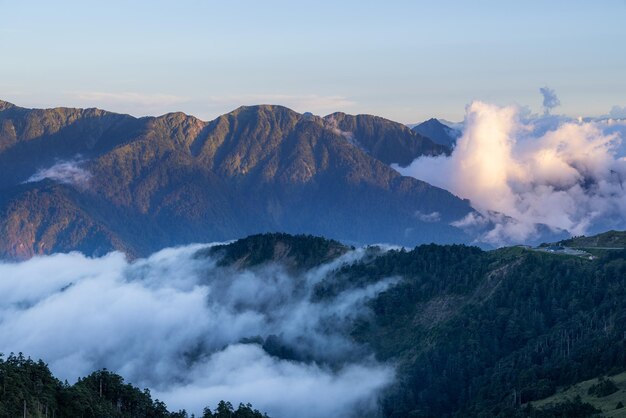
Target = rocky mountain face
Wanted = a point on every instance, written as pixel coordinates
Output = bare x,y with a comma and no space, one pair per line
91,180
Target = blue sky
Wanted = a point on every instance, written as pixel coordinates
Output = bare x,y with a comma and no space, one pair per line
405,60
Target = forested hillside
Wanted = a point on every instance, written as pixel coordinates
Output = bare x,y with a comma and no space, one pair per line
30,390
482,333
476,333
94,181
607,240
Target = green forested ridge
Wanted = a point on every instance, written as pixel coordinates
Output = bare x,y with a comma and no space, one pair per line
154,182
481,333
28,388
609,239
484,333
298,251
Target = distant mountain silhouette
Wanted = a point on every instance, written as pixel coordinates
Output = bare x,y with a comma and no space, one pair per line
438,132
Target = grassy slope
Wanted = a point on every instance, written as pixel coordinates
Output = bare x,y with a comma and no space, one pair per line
605,404
609,239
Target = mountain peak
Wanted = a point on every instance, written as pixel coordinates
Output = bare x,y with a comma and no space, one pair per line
178,117
386,140
264,108
294,251
437,132
5,105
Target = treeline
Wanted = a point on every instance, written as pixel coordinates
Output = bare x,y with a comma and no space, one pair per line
28,389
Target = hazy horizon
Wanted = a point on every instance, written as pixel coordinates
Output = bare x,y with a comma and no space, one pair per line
406,61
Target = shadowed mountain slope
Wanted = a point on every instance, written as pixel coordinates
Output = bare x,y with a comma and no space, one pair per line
387,141
437,132
140,184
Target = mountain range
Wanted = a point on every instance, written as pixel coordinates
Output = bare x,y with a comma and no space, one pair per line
94,181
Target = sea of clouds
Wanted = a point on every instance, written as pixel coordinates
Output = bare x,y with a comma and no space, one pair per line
192,332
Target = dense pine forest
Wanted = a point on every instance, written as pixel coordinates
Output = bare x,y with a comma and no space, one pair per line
484,333
28,389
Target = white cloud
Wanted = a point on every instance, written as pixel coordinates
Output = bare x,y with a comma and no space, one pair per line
245,373
134,103
618,112
174,322
428,217
101,98
550,170
68,172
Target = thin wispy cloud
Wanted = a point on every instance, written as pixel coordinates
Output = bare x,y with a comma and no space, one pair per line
303,103
131,102
618,112
428,217
67,172
127,97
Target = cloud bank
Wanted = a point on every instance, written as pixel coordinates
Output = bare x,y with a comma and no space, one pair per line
520,171
193,333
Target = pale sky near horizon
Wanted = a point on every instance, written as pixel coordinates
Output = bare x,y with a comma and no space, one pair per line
404,60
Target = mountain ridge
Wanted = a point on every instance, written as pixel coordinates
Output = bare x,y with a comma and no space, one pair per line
175,179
